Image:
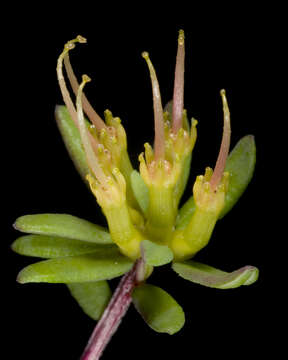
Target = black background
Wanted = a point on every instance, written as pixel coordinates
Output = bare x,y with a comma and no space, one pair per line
228,49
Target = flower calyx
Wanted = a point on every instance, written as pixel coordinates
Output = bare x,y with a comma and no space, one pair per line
207,198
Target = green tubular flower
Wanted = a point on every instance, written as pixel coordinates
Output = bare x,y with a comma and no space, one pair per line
146,228
209,193
109,135
105,150
108,184
165,168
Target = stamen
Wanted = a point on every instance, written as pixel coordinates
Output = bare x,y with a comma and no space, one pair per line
225,144
159,142
91,113
178,95
90,155
65,93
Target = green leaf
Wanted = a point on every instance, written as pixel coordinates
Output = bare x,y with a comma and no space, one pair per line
93,297
208,276
140,190
72,140
155,254
185,213
240,164
159,310
63,225
182,182
82,268
44,246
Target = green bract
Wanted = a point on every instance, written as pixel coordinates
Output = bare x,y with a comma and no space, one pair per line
156,255
159,310
81,268
140,190
44,246
240,165
72,140
63,225
92,297
211,277
145,227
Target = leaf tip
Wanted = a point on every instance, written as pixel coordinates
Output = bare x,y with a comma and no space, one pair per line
20,279
253,274
13,246
58,109
251,137
15,225
28,275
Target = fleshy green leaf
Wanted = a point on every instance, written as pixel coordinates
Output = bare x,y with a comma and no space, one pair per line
140,190
211,277
182,182
240,165
159,310
72,140
93,297
63,225
185,213
44,246
90,267
155,254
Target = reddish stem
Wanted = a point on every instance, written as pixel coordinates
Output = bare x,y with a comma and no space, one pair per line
111,317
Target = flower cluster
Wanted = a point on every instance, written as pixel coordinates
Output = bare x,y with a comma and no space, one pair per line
145,224
164,168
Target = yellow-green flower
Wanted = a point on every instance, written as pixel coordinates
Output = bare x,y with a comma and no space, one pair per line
146,226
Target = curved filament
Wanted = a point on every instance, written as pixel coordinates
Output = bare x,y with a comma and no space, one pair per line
178,94
159,142
90,155
65,93
225,144
91,113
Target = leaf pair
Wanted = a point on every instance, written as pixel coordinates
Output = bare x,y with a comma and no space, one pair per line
80,251
82,264
80,254
163,314
159,310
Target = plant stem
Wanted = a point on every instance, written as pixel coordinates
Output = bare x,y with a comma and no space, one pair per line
111,317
